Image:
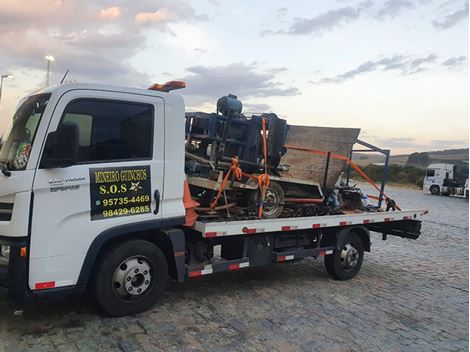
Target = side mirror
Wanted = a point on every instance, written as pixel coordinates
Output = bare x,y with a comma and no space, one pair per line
61,149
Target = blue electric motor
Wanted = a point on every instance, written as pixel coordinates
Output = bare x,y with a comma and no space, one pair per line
229,104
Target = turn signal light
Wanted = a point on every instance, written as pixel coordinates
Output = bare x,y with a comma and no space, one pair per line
23,251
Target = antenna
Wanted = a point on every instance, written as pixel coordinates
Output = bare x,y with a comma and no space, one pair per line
65,75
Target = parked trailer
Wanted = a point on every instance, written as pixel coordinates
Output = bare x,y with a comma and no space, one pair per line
91,198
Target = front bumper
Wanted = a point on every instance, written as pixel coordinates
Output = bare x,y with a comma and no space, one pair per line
14,269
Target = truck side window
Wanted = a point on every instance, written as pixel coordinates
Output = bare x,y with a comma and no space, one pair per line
430,173
111,130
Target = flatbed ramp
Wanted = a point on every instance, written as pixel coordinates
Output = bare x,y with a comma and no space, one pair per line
248,227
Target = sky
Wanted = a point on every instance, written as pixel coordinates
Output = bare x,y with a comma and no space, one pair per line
396,69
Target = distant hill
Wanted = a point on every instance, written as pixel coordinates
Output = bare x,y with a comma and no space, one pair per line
451,156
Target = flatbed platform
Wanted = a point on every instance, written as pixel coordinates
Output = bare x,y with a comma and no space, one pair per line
248,227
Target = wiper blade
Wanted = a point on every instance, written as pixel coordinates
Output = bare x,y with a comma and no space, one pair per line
4,169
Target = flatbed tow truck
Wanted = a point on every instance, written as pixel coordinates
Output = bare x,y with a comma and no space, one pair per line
91,198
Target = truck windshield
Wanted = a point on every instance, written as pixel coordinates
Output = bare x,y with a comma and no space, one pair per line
17,145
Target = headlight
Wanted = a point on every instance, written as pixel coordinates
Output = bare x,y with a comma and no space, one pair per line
5,251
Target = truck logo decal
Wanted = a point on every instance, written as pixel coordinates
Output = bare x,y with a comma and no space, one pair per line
119,191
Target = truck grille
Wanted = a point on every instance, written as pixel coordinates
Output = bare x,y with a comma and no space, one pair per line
6,210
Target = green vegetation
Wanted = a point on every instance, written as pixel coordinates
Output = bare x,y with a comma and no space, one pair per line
396,173
421,159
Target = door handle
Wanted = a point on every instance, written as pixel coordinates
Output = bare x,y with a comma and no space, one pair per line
156,195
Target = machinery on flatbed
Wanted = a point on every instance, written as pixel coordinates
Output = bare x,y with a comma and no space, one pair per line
116,190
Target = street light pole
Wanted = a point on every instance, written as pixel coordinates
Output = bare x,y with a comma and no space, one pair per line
49,59
1,83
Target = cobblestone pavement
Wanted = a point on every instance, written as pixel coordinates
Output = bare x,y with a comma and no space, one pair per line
409,296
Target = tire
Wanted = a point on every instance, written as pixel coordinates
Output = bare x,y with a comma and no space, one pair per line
135,266
435,190
344,264
274,194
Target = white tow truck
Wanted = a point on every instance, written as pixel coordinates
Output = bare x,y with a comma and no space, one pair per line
91,187
440,180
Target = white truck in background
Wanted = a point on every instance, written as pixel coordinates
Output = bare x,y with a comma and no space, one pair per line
440,180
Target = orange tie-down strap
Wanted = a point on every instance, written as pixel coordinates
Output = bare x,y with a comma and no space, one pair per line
347,160
263,180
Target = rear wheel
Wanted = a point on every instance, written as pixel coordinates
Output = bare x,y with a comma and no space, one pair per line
345,263
130,277
434,190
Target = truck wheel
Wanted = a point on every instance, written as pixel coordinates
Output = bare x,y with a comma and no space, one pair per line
130,277
345,263
273,203
434,190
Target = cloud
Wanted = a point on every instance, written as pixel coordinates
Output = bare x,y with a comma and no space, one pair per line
208,83
94,39
454,62
332,19
159,16
323,22
393,8
281,12
448,143
249,108
452,18
409,142
400,142
110,13
403,64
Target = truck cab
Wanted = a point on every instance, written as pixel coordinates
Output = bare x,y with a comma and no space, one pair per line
79,164
437,177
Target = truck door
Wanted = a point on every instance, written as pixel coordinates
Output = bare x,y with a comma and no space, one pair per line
117,180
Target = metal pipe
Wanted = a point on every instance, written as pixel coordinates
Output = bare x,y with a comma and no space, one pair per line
327,166
220,207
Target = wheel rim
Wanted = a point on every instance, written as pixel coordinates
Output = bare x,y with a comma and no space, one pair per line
349,257
271,201
132,278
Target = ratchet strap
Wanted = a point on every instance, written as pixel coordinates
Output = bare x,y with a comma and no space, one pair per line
262,180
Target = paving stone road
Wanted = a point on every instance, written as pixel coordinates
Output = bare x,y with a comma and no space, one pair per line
409,296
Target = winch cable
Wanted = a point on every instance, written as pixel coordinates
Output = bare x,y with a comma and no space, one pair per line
390,202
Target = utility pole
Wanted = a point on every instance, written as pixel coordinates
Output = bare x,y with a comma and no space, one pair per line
49,59
1,83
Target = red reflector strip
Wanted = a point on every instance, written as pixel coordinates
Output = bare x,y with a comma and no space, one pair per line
234,266
285,228
344,223
249,231
283,258
366,221
323,253
210,234
316,226
388,219
407,218
43,285
194,273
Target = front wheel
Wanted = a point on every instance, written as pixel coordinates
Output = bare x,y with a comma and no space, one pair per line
435,190
130,277
345,263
